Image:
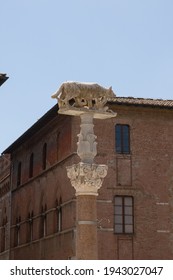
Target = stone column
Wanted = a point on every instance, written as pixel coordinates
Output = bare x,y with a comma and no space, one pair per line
86,177
86,227
87,101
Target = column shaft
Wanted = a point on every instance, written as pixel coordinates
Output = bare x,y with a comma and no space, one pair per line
86,225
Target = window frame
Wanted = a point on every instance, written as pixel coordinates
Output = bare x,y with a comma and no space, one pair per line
123,214
122,145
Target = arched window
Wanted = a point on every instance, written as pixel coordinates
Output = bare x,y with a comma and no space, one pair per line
19,173
31,165
44,156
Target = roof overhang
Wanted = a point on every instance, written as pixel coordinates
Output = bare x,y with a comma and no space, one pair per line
3,78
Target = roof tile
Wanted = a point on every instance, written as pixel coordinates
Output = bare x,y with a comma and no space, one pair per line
142,102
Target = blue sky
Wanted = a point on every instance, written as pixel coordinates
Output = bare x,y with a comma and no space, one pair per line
126,44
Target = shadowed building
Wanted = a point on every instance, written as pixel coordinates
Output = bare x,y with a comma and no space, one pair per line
5,208
4,198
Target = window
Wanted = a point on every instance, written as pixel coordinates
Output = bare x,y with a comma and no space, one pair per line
59,215
124,220
17,231
19,168
122,136
57,144
44,156
31,165
3,238
3,235
30,227
43,222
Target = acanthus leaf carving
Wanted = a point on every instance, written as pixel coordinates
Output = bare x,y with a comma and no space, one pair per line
87,178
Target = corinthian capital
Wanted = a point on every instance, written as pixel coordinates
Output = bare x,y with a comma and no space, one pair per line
87,178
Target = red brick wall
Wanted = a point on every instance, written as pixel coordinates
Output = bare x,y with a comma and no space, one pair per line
4,206
48,188
145,174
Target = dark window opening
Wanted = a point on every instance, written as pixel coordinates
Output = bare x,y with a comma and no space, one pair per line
44,156
3,235
57,144
30,227
17,232
31,165
3,238
122,136
43,222
19,169
59,215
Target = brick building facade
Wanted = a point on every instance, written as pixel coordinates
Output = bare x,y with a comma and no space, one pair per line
5,198
5,195
134,208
